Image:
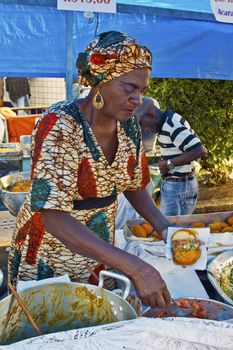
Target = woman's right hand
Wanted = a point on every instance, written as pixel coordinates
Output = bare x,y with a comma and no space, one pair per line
149,285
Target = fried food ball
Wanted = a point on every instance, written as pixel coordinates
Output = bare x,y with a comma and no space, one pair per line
186,257
148,228
215,227
197,224
138,231
224,224
156,236
230,220
227,229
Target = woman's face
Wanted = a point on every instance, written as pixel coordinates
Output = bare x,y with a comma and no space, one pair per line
123,94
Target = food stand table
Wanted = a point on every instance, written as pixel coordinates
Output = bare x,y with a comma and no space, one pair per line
7,223
202,275
141,333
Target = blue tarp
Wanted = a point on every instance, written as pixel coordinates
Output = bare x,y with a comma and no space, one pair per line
183,36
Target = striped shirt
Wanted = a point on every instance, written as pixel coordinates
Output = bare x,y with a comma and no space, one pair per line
175,137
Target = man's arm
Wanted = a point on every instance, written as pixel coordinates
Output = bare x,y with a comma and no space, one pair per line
184,158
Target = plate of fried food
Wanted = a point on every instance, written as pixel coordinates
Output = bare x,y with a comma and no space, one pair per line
187,247
141,230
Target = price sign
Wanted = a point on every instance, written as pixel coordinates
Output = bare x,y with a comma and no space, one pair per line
223,10
108,6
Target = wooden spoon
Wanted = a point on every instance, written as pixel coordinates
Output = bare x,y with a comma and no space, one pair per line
23,307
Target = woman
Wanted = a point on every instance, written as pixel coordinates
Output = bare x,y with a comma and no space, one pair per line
84,153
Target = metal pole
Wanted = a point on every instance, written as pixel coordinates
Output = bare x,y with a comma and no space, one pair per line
69,53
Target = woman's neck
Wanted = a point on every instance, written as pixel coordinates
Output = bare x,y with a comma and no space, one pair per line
96,118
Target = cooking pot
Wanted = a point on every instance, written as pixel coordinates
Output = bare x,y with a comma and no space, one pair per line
1,277
57,307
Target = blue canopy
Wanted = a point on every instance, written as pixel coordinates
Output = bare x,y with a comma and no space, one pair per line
186,41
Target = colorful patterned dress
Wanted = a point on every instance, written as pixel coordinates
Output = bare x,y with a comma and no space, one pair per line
68,165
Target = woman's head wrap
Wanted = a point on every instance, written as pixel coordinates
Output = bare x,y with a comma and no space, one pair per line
110,55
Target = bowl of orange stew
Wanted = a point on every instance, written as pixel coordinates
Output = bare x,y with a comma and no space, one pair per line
13,190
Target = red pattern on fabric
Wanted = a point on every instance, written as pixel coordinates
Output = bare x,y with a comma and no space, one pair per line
145,171
97,269
22,233
99,59
131,165
87,187
36,233
44,128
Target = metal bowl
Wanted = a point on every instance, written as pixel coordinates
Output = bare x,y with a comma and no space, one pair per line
193,308
1,277
13,200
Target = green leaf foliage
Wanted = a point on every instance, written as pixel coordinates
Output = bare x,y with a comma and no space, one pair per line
208,107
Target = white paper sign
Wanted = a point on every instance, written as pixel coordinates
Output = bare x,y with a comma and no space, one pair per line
223,10
108,6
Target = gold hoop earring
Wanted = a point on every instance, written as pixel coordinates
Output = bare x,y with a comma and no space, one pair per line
98,101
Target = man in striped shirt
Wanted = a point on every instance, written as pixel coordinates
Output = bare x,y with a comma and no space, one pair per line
180,147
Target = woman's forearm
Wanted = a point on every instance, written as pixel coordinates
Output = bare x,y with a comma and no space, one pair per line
145,206
80,240
147,281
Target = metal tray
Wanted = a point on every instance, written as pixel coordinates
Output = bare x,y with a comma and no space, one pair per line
182,220
214,270
205,218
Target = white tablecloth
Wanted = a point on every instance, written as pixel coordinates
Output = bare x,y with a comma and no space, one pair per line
138,334
181,282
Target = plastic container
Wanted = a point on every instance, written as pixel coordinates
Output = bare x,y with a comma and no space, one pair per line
25,141
155,175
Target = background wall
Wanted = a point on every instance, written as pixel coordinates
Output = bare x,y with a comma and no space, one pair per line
44,91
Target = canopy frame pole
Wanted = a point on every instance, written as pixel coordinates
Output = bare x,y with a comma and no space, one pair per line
69,53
